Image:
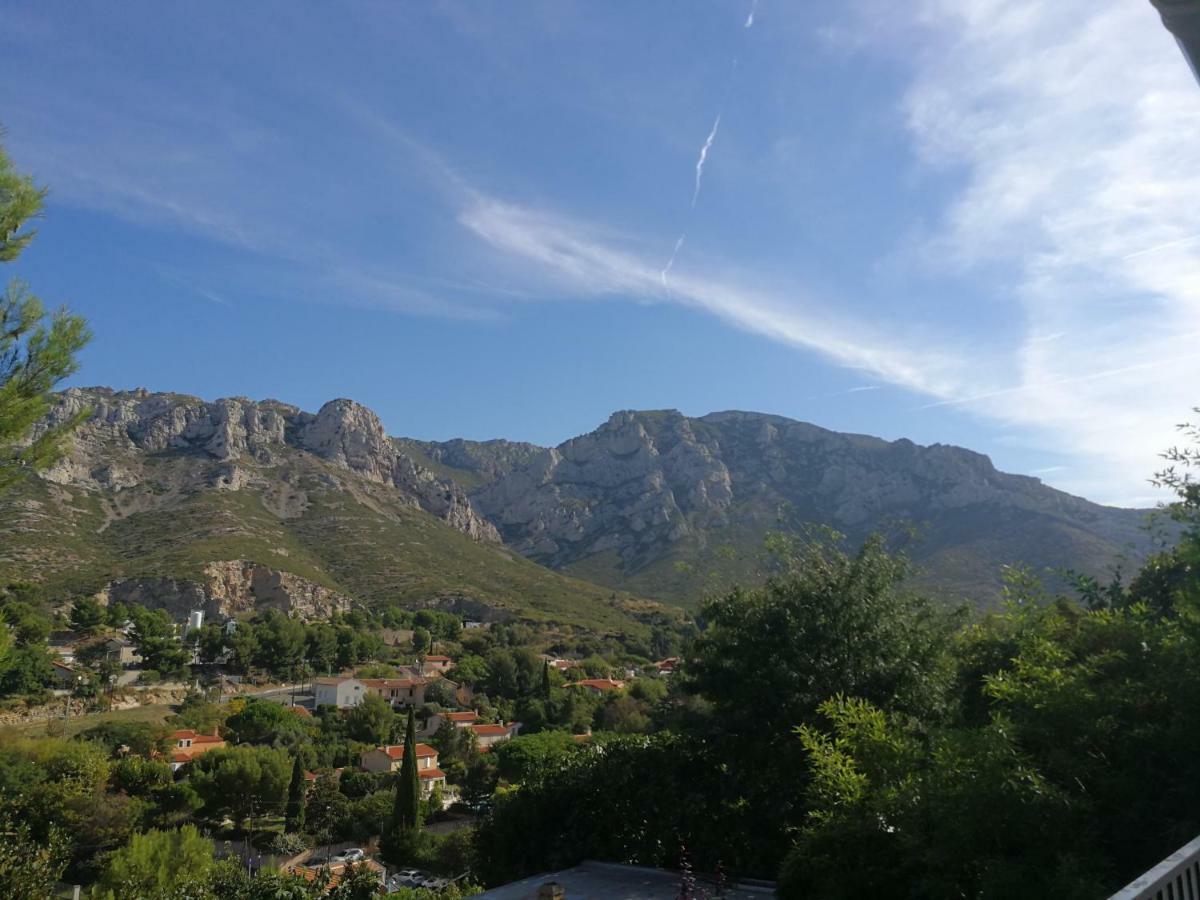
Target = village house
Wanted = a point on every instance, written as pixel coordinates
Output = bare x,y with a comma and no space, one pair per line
189,744
398,691
432,666
340,692
389,758
666,667
62,644
66,676
344,691
457,719
598,685
120,649
487,736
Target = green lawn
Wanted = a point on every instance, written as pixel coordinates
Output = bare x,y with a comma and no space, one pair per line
155,712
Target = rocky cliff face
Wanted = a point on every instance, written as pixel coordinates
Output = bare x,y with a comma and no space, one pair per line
230,588
127,426
646,485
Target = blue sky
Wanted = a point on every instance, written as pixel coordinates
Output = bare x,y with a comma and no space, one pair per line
958,221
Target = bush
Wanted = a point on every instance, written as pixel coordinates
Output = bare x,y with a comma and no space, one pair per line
289,843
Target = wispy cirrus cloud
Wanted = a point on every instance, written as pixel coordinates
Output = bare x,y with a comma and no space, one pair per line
1071,123
579,257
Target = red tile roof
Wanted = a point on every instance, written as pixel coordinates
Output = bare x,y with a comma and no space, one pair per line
599,684
396,751
490,730
469,716
187,734
426,774
379,683
438,659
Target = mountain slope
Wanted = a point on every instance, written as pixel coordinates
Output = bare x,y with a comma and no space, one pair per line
672,507
164,496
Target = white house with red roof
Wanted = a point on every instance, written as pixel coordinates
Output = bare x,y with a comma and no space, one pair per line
389,758
598,685
488,736
189,744
345,691
433,666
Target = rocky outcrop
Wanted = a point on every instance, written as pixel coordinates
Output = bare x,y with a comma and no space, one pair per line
645,481
230,588
126,427
350,435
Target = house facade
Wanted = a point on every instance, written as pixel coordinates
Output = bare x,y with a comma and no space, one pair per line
487,736
433,666
398,691
389,759
189,744
345,691
340,692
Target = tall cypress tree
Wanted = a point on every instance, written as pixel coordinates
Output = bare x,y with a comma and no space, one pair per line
546,679
406,814
295,802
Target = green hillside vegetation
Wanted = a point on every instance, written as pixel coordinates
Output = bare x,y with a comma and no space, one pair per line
307,518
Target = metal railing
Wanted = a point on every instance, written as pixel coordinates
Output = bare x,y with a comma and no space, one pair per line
1175,878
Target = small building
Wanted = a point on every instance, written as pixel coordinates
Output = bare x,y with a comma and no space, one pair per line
189,744
341,692
488,736
432,666
63,644
667,667
66,676
389,759
598,685
464,719
120,649
398,691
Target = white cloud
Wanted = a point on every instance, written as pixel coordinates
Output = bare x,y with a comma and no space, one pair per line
579,258
1074,123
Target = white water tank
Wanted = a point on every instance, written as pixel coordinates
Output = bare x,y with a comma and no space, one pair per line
195,620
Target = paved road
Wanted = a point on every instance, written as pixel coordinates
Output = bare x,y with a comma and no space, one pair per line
279,695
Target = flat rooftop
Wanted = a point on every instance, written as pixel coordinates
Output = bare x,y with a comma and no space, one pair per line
610,881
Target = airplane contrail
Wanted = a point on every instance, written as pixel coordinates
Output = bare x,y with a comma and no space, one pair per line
671,262
1185,240
712,136
750,18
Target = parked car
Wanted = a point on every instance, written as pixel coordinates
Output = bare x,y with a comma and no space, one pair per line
405,878
352,854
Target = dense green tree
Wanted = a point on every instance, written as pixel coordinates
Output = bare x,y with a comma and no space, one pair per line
153,636
325,810
36,351
321,647
421,640
263,721
210,642
241,781
158,864
524,755
29,867
371,721
26,672
406,814
141,738
828,622
479,780
294,813
243,647
87,615
281,643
